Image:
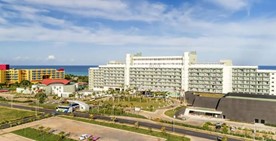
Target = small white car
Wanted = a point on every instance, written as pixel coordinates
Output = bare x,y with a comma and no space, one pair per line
84,136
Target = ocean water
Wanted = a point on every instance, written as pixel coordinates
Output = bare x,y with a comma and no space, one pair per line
76,70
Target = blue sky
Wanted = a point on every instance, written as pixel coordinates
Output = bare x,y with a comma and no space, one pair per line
92,32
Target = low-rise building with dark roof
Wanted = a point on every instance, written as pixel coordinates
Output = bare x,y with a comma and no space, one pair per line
243,107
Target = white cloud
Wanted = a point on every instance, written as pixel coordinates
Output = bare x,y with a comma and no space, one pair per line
26,9
51,57
21,58
207,34
188,27
113,5
3,21
234,5
107,9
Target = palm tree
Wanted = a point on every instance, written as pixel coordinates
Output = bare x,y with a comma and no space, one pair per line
131,104
25,83
16,84
136,124
67,134
61,135
150,129
47,130
224,138
163,129
91,116
40,128
114,119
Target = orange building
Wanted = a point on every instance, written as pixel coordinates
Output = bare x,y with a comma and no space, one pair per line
8,75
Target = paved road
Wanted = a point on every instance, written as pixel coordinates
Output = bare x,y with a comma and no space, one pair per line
128,121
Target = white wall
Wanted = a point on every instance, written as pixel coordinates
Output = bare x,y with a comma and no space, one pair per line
227,79
23,90
126,76
57,89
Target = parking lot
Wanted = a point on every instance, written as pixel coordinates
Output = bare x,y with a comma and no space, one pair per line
77,128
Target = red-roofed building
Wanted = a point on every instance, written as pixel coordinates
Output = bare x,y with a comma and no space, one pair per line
4,66
61,69
2,91
59,87
55,81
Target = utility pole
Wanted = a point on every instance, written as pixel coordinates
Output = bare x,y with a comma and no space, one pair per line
36,108
254,131
173,125
11,101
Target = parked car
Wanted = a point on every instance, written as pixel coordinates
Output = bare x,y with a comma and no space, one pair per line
219,138
85,136
218,125
64,109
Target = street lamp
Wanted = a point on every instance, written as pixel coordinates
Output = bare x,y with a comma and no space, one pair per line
172,126
254,131
37,102
113,109
11,101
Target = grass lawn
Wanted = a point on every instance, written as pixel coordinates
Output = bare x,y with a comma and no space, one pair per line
46,106
172,112
38,135
13,114
95,111
167,136
145,104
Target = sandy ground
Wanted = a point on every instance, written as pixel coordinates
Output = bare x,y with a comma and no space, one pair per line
13,137
77,128
5,95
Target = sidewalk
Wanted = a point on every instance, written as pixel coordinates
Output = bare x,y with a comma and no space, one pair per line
181,127
231,123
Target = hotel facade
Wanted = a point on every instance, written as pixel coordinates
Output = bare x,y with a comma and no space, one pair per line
10,75
178,74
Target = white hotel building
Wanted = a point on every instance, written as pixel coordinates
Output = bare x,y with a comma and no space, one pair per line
182,73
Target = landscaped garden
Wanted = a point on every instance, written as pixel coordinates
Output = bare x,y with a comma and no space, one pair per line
121,105
145,103
172,112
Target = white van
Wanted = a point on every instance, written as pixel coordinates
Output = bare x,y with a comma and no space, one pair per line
64,109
